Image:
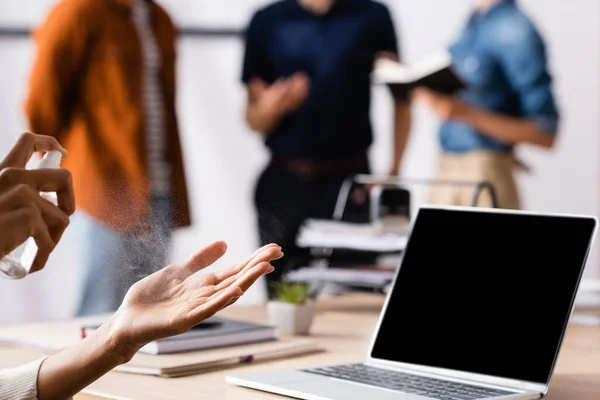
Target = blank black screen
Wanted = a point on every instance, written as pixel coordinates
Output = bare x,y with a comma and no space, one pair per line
487,293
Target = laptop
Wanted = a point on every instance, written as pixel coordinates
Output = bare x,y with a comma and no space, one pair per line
478,310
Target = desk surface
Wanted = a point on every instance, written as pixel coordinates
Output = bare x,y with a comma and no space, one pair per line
343,327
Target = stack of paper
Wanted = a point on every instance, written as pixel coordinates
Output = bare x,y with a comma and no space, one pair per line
343,276
345,235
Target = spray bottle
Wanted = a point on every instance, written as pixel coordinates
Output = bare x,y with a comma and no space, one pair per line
17,264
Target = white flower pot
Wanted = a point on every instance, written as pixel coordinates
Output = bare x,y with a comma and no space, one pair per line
291,319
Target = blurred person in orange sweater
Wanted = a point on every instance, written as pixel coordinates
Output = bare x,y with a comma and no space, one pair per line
103,84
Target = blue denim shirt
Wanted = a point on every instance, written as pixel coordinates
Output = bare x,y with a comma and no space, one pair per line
502,59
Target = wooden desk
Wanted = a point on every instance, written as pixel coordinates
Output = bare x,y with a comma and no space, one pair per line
344,326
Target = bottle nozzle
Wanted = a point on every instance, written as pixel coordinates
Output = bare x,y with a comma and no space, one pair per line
51,159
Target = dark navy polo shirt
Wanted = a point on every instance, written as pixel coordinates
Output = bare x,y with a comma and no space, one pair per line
336,51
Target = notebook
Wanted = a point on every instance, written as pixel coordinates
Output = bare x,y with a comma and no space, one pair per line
213,332
190,363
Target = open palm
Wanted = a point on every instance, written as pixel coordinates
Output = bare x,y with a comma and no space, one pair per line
176,298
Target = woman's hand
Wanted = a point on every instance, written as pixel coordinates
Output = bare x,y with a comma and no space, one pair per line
166,303
23,212
173,300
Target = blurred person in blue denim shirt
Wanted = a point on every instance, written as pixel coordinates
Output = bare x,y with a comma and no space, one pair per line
508,100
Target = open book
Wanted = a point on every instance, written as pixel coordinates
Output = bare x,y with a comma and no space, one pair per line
435,73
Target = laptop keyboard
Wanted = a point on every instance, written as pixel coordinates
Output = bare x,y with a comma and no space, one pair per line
407,383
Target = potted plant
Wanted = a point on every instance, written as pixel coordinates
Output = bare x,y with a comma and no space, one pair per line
291,310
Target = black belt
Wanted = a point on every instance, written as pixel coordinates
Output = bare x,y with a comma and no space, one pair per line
322,167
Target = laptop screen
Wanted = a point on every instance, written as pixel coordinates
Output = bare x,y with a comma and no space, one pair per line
485,292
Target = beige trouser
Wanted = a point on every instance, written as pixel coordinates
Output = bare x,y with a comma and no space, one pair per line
496,168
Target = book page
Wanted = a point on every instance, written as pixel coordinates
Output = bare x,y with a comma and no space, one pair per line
387,71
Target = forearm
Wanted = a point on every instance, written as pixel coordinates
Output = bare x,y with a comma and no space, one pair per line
402,124
65,374
507,129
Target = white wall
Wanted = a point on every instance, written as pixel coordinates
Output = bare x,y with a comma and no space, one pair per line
223,157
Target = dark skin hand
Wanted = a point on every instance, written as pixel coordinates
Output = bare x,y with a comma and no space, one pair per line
268,104
21,206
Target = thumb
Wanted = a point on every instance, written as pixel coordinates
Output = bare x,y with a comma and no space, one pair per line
420,94
257,85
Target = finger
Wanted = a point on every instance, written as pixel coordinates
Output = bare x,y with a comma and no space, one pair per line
424,94
19,231
257,85
386,55
214,305
57,180
43,180
267,256
418,93
300,76
22,195
283,91
32,217
224,274
252,275
262,254
28,144
202,259
232,302
244,281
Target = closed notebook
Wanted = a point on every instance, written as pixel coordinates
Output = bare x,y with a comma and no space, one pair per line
213,332
434,72
196,362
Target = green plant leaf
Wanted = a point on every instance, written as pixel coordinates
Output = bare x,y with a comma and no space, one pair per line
291,292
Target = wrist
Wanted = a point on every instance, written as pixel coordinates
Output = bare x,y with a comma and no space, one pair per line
116,342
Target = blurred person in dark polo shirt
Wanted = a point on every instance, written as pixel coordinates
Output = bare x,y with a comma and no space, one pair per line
307,68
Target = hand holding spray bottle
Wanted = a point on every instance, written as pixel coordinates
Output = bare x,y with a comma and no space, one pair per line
17,264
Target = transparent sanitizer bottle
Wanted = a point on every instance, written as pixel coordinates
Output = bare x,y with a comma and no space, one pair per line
17,264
